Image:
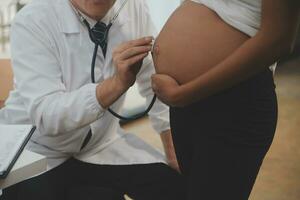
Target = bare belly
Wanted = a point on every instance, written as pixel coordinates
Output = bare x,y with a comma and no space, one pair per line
194,40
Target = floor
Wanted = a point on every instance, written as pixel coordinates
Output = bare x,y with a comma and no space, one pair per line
279,177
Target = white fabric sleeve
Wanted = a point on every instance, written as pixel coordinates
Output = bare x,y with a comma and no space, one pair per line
39,80
159,114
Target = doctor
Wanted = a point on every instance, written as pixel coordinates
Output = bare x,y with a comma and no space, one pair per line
83,143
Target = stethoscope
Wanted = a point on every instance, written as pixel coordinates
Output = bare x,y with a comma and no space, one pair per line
97,43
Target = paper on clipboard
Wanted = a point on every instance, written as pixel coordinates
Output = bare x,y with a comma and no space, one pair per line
13,138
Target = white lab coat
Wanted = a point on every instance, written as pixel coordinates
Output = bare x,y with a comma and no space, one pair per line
51,56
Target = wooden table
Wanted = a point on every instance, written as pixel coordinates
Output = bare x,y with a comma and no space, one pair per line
1,104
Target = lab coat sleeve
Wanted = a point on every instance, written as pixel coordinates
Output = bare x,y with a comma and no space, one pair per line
159,114
39,80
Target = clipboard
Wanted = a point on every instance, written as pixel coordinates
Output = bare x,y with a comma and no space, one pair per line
16,154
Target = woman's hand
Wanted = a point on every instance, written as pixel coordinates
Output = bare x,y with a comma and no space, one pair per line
167,90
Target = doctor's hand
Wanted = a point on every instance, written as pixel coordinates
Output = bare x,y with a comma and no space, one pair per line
167,140
167,90
128,59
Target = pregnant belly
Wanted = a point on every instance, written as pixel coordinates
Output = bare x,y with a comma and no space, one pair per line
194,40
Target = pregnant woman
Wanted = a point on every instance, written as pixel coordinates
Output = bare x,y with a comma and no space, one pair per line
214,68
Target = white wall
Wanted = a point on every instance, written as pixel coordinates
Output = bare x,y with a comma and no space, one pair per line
161,10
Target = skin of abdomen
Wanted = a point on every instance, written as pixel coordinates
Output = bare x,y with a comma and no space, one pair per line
194,40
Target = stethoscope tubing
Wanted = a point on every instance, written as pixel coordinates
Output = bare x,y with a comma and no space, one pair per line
123,118
93,64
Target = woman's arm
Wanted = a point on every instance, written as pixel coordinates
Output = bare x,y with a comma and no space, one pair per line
275,39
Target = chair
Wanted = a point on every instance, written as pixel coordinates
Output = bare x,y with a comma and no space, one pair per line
6,80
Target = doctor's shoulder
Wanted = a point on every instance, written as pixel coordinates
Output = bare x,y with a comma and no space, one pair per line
139,8
138,13
36,13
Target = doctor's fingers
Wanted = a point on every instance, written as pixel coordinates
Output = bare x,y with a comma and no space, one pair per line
145,41
135,59
134,51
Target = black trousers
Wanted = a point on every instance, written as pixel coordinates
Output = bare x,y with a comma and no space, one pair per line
76,180
221,141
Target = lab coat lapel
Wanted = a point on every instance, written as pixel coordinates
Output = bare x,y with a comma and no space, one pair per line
78,39
70,22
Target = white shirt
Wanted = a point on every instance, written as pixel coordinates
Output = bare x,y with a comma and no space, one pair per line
51,57
244,15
